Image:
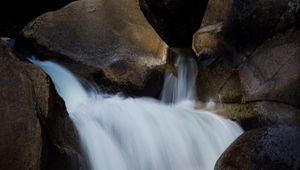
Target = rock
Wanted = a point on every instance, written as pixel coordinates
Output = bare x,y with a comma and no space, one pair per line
206,41
20,130
36,132
175,21
249,23
272,72
15,14
246,24
216,12
109,42
273,148
61,147
260,114
217,80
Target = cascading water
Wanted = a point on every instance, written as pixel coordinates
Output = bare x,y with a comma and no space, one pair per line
120,133
181,87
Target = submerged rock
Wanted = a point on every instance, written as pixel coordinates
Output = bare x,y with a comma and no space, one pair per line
175,21
109,42
273,148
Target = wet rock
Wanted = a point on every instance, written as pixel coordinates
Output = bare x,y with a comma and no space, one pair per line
15,14
273,148
175,21
109,42
273,71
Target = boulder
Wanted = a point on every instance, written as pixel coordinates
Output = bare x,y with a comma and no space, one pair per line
249,23
36,132
175,21
273,148
15,14
245,25
109,42
272,72
20,130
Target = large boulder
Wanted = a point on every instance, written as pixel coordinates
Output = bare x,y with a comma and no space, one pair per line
273,148
243,26
109,42
36,132
264,90
175,20
20,130
15,14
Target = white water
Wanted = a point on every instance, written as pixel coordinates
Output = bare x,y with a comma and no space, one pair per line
120,133
181,87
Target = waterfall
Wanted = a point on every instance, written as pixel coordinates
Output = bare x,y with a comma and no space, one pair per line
181,87
119,133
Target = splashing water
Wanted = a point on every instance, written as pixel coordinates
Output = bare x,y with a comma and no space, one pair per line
120,133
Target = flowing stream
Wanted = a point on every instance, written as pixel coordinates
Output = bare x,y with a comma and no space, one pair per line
119,133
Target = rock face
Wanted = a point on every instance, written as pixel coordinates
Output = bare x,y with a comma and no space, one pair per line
218,81
15,14
36,132
175,21
245,25
109,42
20,129
244,66
61,150
249,23
249,61
273,148
273,71
270,75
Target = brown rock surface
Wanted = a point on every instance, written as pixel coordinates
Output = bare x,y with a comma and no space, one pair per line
36,132
20,130
109,42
